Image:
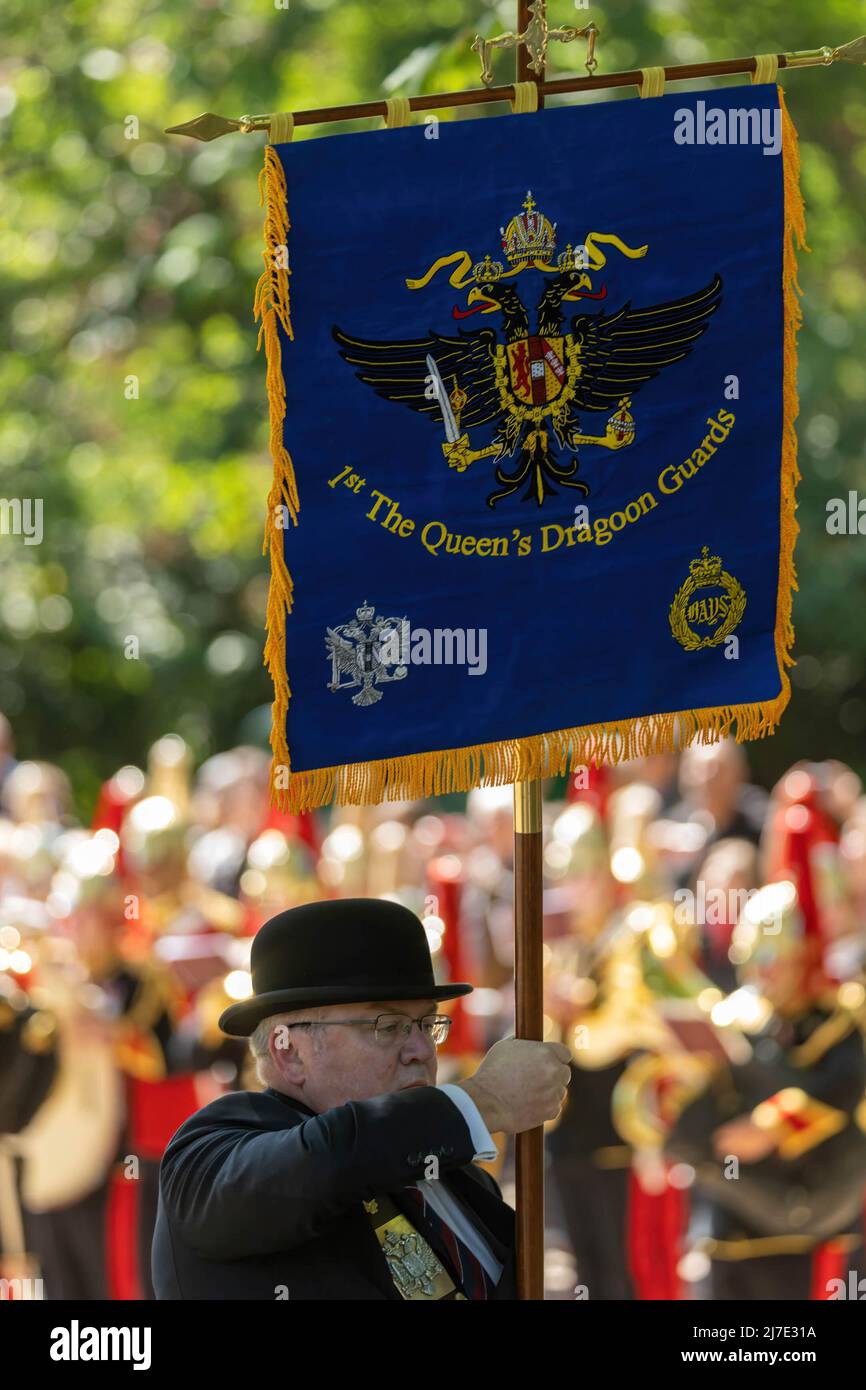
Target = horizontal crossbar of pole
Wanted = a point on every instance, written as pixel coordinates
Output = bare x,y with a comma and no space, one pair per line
210,127
477,96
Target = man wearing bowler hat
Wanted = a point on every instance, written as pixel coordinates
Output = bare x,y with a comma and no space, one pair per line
351,1176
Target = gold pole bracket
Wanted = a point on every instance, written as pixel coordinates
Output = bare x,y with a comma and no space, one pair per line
527,807
535,37
853,52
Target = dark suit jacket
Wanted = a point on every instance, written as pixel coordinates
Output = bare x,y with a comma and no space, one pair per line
261,1198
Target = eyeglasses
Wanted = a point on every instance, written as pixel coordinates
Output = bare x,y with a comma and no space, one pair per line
388,1028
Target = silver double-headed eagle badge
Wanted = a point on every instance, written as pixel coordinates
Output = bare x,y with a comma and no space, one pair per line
366,652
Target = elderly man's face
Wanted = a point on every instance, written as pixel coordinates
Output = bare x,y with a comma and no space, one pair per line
325,1067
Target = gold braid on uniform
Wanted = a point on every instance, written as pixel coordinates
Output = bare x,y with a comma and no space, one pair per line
849,1012
137,1048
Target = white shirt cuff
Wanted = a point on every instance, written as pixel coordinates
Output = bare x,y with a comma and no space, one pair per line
478,1131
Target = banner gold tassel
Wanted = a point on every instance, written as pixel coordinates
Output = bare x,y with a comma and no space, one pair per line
271,309
794,240
541,755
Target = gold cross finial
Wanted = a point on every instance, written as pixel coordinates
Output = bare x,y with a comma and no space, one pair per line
529,202
535,37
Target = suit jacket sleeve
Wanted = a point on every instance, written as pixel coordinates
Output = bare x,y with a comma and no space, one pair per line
250,1176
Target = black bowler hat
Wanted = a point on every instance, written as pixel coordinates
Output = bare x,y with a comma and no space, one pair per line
344,951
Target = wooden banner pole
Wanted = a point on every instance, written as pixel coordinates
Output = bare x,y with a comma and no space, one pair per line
528,980
529,1014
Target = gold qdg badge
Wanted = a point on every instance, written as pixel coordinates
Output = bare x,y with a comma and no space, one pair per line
708,606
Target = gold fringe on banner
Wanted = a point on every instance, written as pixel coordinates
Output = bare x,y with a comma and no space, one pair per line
541,755
794,241
271,309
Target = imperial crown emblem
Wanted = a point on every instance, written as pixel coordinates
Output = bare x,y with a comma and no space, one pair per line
708,569
529,235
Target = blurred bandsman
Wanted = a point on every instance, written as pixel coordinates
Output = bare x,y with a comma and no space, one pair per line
777,1142
28,1069
69,1146
606,982
717,802
725,879
7,753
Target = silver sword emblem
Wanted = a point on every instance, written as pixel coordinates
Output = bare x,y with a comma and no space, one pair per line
452,434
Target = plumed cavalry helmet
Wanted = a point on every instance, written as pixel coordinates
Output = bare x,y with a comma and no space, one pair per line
793,919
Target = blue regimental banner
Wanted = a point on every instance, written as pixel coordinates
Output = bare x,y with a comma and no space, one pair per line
532,394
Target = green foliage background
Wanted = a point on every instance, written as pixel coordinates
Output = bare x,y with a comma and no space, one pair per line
138,257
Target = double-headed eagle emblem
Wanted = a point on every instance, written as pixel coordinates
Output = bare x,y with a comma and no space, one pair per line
534,381
362,653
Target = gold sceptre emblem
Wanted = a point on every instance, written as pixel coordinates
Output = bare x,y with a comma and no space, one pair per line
458,400
535,37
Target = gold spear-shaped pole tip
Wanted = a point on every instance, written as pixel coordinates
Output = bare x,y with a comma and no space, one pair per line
207,126
853,52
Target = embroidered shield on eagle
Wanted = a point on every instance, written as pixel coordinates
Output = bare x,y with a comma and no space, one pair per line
537,369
